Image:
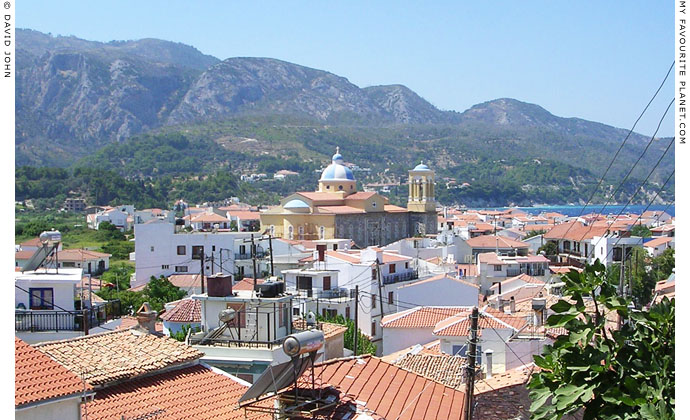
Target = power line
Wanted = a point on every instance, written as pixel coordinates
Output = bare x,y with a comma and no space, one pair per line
622,144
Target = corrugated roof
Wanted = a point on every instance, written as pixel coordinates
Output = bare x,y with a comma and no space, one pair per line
193,392
118,355
37,377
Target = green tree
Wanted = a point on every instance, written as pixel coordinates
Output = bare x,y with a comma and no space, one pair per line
182,334
159,291
532,233
118,274
364,345
549,248
605,374
640,230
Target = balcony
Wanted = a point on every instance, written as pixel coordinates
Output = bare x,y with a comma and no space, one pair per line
199,340
42,321
399,277
259,254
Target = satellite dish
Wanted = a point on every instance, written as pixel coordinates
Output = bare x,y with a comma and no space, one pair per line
311,319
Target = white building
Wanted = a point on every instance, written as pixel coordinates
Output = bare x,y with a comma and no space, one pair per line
658,245
494,268
609,249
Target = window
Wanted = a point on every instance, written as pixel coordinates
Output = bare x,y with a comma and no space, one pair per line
322,232
373,204
197,251
373,273
373,301
213,248
407,265
390,298
295,311
340,187
329,313
335,247
165,267
272,230
461,350
373,328
243,249
152,249
181,250
291,232
347,312
304,283
180,268
69,264
391,268
281,320
327,283
41,298
498,268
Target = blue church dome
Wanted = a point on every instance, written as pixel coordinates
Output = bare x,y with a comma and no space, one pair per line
421,167
336,171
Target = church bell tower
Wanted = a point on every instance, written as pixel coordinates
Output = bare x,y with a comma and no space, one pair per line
421,196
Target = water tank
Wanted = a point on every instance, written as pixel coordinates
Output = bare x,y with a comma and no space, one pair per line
270,289
219,285
226,315
303,342
50,237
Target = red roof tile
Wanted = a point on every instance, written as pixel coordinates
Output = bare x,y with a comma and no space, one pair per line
390,208
37,377
186,310
340,210
575,231
494,241
80,255
185,281
361,195
658,241
459,325
421,316
439,277
193,392
128,321
382,390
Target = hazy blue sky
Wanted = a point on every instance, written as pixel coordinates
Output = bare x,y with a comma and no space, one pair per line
582,59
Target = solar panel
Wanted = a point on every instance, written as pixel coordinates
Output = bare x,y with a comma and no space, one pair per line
275,378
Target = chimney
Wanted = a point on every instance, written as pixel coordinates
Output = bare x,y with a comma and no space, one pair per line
512,304
500,303
489,362
146,318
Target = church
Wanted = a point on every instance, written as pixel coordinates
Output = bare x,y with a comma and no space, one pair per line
338,210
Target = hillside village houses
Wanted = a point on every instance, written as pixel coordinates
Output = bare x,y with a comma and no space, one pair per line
252,277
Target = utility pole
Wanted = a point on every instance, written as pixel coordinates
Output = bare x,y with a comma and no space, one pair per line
212,262
356,333
220,254
254,260
471,358
378,274
270,250
203,263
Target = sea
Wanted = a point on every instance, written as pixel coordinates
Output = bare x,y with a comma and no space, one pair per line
576,210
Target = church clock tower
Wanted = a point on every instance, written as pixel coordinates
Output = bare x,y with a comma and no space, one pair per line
421,196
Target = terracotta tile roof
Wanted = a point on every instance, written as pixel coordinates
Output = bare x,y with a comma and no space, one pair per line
658,241
340,210
459,325
329,329
527,291
360,195
490,258
664,228
653,214
442,368
563,270
524,306
578,231
344,256
439,277
209,218
186,310
493,241
317,197
382,390
522,277
246,284
37,377
245,215
80,255
192,392
512,377
23,255
390,208
545,227
391,258
118,355
32,242
484,227
185,281
421,316
128,321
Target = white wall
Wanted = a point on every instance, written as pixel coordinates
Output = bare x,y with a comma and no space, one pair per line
396,339
442,292
59,410
63,293
523,351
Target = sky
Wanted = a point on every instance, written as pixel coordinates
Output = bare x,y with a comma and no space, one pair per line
600,61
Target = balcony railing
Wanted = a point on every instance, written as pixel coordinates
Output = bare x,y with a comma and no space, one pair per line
396,278
259,254
39,320
226,342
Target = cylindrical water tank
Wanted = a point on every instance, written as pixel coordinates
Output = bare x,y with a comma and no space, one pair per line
303,342
50,237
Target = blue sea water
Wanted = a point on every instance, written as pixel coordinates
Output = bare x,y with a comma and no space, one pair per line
595,208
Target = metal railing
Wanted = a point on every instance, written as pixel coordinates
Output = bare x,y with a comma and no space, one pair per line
227,342
396,278
247,256
40,320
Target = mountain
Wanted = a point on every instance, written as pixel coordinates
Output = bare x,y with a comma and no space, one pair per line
98,103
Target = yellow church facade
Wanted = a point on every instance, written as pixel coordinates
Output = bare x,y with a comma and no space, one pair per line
338,210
